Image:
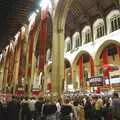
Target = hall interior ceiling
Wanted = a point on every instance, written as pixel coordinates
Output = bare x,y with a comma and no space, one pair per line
15,13
85,12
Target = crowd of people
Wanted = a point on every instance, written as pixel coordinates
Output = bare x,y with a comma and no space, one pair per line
83,107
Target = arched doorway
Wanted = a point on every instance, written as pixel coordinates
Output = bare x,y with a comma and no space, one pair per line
83,69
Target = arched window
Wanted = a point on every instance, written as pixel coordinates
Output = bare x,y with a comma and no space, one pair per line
98,28
76,40
86,35
67,44
113,20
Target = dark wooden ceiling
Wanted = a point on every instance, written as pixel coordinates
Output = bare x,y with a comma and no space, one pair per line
85,12
13,14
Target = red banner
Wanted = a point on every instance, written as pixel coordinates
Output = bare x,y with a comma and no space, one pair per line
92,67
105,61
43,38
31,40
81,68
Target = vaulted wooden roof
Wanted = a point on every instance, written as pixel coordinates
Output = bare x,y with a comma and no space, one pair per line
13,14
85,12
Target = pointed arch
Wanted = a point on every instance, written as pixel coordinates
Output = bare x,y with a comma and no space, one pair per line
104,45
67,44
113,21
86,34
98,28
76,40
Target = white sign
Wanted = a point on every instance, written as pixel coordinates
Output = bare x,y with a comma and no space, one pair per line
112,81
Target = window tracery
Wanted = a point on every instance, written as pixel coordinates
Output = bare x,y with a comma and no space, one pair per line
99,28
86,35
113,21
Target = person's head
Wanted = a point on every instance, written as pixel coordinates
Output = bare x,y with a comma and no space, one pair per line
88,99
115,95
13,97
75,103
26,98
66,101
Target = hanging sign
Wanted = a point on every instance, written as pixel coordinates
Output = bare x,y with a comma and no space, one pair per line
96,81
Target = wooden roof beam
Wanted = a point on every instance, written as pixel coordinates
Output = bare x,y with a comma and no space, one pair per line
86,15
99,8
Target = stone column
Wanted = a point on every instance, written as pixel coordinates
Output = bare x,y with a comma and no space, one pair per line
96,66
2,68
16,63
26,50
1,74
57,61
33,65
75,74
59,19
5,74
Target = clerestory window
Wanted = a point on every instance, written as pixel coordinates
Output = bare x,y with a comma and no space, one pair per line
115,22
77,42
100,30
87,36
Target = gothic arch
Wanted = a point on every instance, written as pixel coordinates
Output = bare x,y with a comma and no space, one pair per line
79,54
98,22
67,63
104,45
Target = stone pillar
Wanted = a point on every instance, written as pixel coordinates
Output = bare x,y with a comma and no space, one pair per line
10,69
30,80
57,61
26,50
74,77
75,80
5,74
33,65
96,67
2,66
1,74
16,63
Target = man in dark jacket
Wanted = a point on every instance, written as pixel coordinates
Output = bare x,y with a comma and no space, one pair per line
25,110
38,107
13,108
88,109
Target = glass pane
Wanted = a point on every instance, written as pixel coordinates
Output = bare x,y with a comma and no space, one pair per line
112,26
